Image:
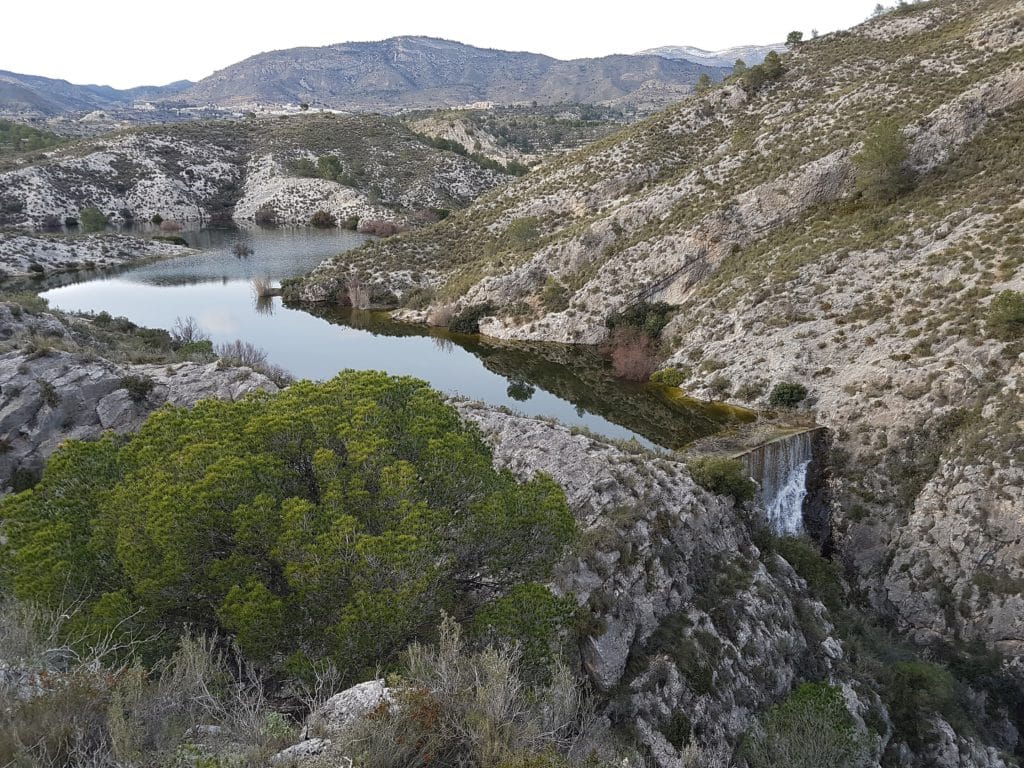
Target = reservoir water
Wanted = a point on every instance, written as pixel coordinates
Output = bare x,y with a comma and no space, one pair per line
571,384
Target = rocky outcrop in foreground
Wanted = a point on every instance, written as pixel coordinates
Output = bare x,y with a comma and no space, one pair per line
48,395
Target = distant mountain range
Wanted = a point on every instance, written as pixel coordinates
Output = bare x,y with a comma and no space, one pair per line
422,72
751,54
398,73
47,97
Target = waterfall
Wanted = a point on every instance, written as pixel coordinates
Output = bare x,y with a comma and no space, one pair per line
780,470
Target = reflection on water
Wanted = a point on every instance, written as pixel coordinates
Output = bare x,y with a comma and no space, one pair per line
577,376
569,383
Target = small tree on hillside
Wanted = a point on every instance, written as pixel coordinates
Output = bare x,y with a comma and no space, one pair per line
882,173
794,39
704,83
772,65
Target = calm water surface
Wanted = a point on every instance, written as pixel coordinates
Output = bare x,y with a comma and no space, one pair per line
567,383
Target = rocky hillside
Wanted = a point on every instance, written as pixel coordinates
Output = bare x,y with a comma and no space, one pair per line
751,208
223,169
56,387
34,96
424,72
520,134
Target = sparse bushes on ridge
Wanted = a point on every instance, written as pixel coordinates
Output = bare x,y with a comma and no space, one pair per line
756,77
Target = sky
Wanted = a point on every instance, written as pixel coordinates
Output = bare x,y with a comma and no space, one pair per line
125,43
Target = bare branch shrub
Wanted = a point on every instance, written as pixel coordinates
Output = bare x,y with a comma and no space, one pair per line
378,227
240,352
186,330
358,292
634,354
441,316
263,287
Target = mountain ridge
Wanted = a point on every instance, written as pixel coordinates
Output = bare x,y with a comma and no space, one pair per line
420,71
54,96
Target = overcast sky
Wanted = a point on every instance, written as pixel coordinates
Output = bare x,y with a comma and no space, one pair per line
125,43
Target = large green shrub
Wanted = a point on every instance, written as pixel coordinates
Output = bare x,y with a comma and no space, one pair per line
1006,316
787,394
332,519
811,728
724,476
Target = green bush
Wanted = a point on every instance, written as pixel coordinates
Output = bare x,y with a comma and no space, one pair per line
916,691
554,297
323,220
823,577
93,220
522,233
670,377
724,476
240,517
1006,316
882,172
138,387
787,394
649,317
811,728
468,320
